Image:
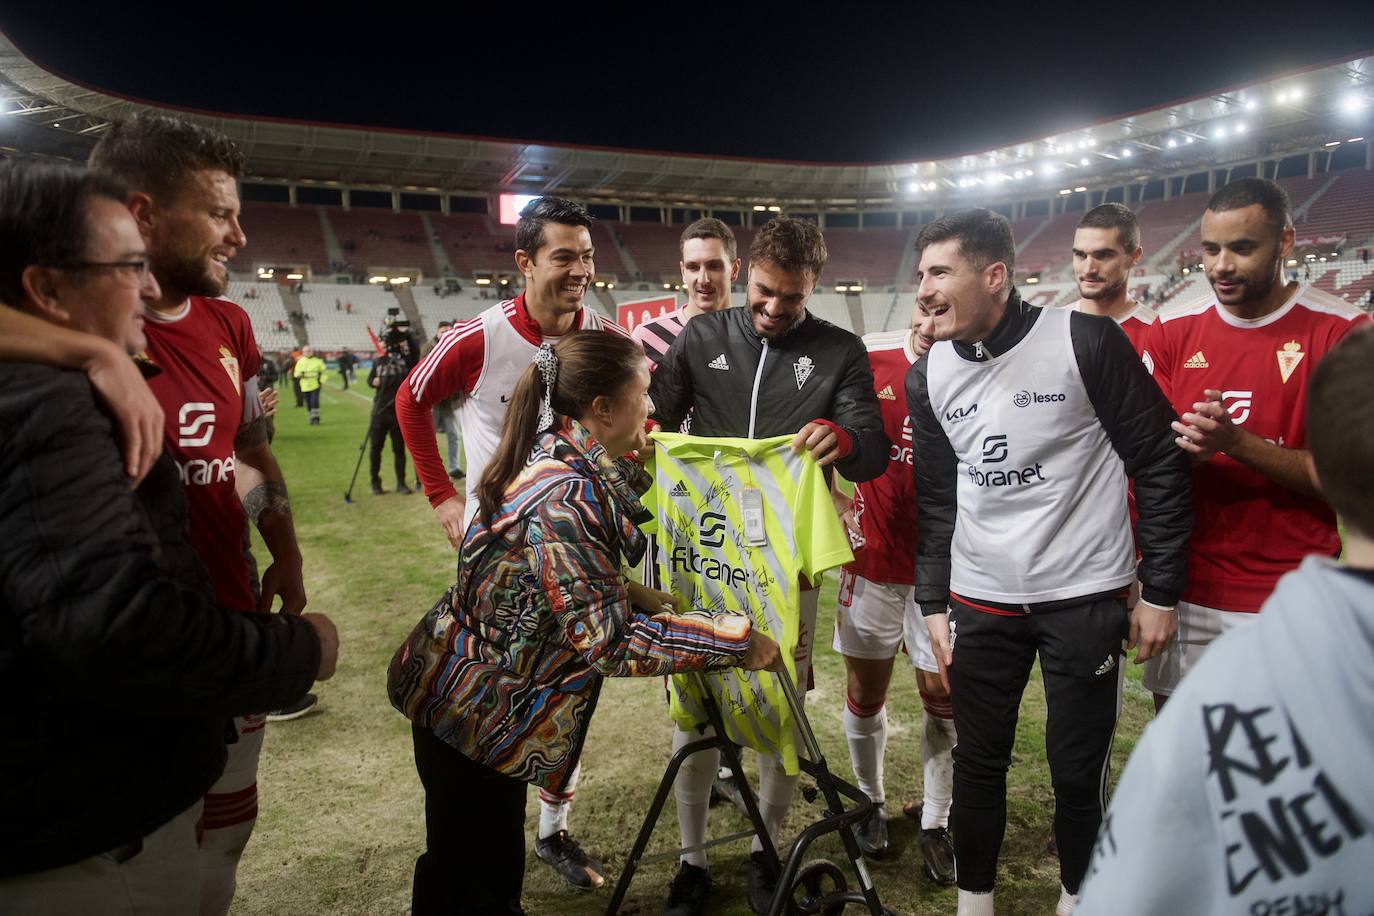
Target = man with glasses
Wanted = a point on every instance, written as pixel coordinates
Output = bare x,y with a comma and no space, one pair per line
109,629
185,202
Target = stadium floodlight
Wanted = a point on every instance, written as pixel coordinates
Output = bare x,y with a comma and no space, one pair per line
1352,102
1064,192
1281,97
396,281
1251,105
1296,94
1332,143
480,281
1292,262
667,286
1083,161
1188,141
759,208
913,186
1126,152
1240,128
1172,143
1354,140
1219,133
841,289
1092,142
610,286
295,276
775,209
600,284
1186,271
1080,189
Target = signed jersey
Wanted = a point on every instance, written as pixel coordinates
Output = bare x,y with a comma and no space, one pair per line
703,489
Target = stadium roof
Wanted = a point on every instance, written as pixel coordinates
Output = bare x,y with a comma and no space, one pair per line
1293,113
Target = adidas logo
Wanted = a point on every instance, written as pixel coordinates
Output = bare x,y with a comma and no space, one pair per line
1106,666
1196,361
679,490
886,394
719,362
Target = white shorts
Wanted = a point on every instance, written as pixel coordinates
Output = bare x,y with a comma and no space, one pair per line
1197,627
873,619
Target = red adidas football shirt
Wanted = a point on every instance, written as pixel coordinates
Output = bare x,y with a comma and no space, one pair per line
1248,531
885,507
207,355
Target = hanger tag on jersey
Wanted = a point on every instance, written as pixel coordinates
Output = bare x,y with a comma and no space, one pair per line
751,508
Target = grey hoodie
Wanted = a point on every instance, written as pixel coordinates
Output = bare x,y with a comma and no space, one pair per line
1253,792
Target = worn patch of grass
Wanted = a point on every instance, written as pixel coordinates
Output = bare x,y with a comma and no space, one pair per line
342,809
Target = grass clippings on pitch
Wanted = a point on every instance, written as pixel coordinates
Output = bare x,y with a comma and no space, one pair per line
342,810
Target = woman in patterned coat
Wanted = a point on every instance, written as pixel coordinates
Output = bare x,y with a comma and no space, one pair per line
501,677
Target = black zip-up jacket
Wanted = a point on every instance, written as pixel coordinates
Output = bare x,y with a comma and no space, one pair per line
736,383
1136,418
118,673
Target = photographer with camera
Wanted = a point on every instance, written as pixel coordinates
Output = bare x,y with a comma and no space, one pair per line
388,372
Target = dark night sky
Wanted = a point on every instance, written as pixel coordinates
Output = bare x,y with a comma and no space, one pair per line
840,81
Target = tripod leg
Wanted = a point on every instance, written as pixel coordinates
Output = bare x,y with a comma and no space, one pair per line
348,494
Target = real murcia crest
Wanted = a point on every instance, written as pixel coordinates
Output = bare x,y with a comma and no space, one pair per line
803,369
231,366
1289,357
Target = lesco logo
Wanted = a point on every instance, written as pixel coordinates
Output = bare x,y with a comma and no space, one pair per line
712,525
994,449
1237,404
1026,398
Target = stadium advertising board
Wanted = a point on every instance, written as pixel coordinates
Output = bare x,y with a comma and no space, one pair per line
630,315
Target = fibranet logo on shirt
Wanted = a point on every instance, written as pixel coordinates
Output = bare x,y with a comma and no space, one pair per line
902,453
996,449
195,429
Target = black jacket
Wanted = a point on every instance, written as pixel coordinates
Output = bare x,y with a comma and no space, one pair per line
815,371
117,670
1135,416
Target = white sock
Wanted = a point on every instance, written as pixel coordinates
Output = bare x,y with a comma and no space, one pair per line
1066,902
866,731
937,740
554,806
692,790
776,789
974,904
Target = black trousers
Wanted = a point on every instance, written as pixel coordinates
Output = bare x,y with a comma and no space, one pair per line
384,425
1081,658
474,859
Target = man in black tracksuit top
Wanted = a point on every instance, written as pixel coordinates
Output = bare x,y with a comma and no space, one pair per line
768,369
1027,424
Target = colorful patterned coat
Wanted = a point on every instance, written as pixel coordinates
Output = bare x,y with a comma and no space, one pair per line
506,667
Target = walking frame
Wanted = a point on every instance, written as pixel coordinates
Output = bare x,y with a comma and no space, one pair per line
822,883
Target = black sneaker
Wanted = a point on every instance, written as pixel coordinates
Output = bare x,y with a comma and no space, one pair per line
688,892
937,852
567,858
377,489
762,882
456,474
297,709
872,833
403,490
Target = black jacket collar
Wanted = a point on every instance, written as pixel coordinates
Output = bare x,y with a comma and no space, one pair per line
1016,322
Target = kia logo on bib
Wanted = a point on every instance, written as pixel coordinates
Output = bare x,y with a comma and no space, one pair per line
961,413
1026,398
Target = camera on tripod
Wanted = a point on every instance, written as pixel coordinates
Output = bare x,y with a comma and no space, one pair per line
396,336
